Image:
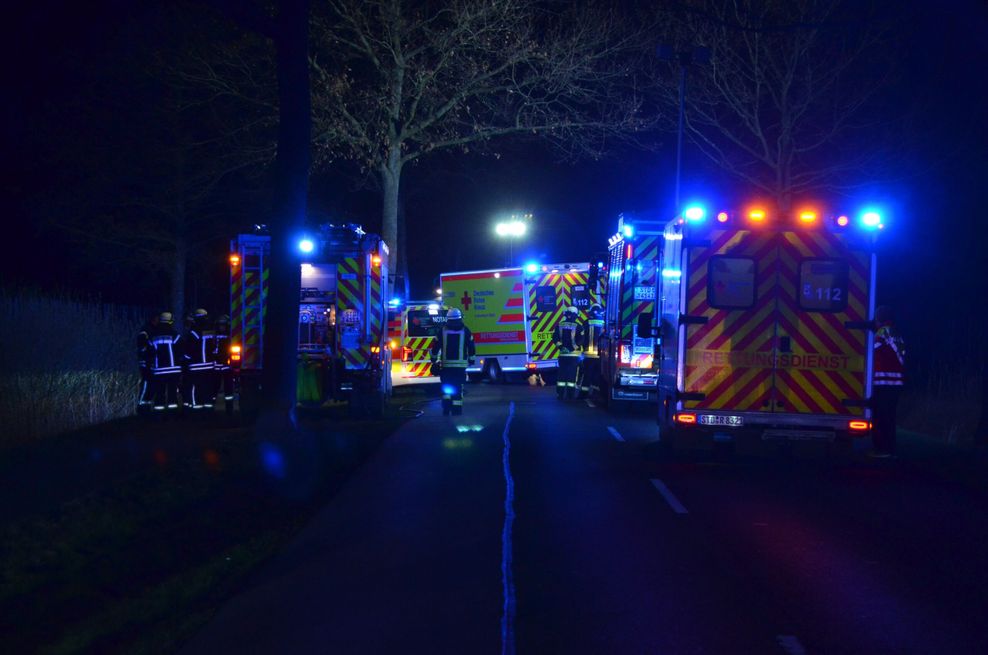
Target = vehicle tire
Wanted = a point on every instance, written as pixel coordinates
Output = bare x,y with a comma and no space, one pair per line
493,373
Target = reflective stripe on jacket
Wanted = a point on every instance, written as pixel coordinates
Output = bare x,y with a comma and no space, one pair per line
164,356
890,358
454,347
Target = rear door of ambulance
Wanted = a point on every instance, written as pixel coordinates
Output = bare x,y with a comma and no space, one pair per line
493,306
773,324
550,292
421,326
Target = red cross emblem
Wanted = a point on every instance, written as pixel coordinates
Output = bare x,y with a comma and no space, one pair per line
466,300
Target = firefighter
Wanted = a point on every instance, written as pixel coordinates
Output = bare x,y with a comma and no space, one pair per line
200,357
144,402
588,337
165,363
887,381
452,351
221,362
565,338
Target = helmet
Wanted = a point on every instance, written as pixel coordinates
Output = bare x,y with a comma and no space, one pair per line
166,317
596,308
201,313
570,310
454,315
223,318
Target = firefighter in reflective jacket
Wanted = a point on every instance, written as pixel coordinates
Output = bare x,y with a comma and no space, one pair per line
221,362
453,350
887,381
588,337
144,366
165,362
200,357
565,338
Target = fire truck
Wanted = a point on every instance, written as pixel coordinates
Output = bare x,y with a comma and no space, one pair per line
513,312
343,349
762,323
627,356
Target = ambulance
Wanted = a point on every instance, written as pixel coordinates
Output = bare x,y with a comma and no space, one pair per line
513,312
412,330
763,324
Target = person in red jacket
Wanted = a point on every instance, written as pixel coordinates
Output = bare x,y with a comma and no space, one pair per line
887,381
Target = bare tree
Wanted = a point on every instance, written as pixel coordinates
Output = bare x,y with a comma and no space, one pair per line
396,80
790,102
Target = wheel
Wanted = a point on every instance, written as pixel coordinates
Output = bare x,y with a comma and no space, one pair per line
493,373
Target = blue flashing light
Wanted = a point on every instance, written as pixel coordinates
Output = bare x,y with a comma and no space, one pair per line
449,389
871,219
600,264
272,460
672,273
306,245
394,302
531,268
695,213
628,231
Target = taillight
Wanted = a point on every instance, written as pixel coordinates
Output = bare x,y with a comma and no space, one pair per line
405,352
859,426
531,366
684,418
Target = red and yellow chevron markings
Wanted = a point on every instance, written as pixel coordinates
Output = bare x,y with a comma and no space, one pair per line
544,323
734,358
418,361
645,250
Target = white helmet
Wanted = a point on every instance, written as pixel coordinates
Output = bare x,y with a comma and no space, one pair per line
454,314
570,310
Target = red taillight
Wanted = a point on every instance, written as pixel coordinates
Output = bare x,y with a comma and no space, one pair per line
859,426
405,352
530,366
684,418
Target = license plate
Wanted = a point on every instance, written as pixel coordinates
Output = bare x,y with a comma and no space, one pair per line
798,435
720,419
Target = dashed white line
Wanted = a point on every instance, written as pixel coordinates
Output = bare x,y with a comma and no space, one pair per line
790,644
615,433
669,496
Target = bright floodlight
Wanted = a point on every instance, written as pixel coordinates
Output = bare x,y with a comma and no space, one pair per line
306,245
512,228
531,268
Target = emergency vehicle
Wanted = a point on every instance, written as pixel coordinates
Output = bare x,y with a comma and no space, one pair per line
413,328
343,349
512,313
631,271
764,323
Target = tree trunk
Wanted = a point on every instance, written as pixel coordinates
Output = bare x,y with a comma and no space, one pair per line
177,276
401,265
291,186
390,181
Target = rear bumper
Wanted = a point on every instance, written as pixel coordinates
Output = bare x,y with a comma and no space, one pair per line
775,427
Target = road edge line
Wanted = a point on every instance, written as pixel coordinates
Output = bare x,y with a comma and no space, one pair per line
615,433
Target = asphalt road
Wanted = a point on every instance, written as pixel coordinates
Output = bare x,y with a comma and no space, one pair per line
605,549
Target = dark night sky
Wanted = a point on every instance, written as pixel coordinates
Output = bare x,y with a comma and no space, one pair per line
930,251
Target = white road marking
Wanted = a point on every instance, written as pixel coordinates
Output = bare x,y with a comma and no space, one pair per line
790,644
669,496
615,433
507,575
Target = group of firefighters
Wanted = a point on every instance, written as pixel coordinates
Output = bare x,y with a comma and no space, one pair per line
191,365
579,366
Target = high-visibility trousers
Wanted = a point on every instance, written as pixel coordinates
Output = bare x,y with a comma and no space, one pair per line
144,389
452,379
566,379
200,387
589,378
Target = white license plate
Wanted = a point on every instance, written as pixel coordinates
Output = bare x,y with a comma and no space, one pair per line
721,419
